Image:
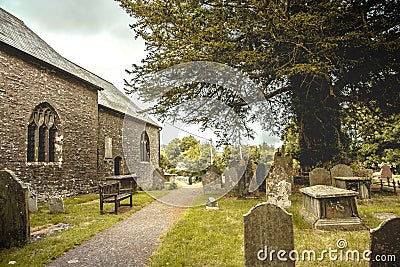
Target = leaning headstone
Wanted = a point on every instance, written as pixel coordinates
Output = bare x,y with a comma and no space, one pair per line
32,200
386,172
385,243
279,187
211,204
320,176
56,205
14,214
212,181
341,170
268,236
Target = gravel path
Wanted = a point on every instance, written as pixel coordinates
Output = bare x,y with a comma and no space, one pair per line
132,241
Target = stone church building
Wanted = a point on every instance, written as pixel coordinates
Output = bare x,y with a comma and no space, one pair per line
62,126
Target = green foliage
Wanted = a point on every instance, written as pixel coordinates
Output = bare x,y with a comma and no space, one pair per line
165,164
263,153
290,138
309,57
172,152
187,156
375,138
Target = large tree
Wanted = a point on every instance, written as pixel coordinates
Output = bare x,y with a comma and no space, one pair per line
310,58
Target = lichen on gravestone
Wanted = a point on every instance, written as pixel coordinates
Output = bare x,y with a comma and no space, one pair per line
279,187
56,205
268,228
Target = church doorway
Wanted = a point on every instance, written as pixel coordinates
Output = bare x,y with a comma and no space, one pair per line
117,166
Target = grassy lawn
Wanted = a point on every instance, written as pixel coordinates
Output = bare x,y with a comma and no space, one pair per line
215,238
83,214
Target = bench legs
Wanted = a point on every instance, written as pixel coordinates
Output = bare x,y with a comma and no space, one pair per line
101,205
116,204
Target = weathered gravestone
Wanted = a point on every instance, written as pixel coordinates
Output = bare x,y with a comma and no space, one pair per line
14,214
285,161
385,244
268,237
386,172
279,187
320,176
244,182
56,205
212,182
341,170
32,200
231,178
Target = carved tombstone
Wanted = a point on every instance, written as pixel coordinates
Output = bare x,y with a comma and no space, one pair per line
385,243
279,187
14,214
341,170
320,176
212,182
268,236
386,172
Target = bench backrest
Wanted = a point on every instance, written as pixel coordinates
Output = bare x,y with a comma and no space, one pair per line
109,189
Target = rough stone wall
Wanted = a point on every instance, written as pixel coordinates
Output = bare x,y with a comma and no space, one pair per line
116,126
24,84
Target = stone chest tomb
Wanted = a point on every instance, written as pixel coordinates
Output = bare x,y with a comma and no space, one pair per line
331,208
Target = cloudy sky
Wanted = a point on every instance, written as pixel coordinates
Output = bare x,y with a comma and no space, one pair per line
95,35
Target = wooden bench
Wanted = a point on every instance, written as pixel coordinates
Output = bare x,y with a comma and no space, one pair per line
113,193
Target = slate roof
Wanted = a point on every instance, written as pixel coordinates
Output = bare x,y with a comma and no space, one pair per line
16,34
114,99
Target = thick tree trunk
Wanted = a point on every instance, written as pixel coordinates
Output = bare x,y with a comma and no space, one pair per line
318,119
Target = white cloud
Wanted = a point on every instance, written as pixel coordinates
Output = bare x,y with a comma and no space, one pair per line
93,34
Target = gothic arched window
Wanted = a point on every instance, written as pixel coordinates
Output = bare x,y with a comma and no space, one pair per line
144,147
42,133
